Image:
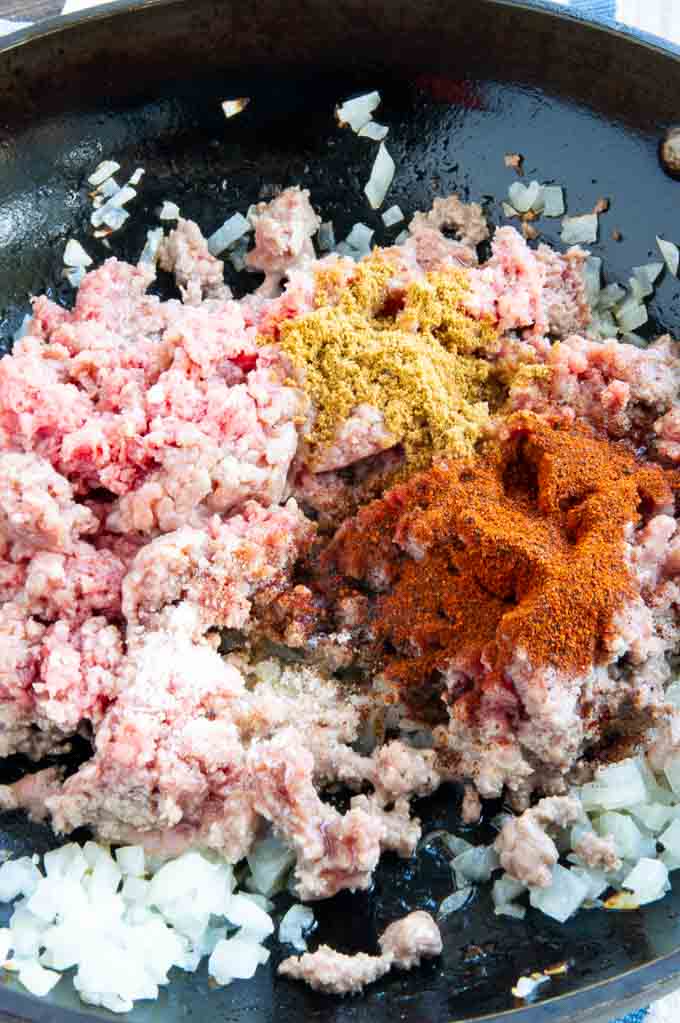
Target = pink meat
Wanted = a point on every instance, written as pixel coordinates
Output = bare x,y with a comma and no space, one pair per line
526,850
334,851
199,275
192,414
536,293
403,944
617,387
283,233
73,586
361,435
37,506
465,218
167,753
222,569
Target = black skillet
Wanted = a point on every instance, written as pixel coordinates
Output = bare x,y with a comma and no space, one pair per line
462,84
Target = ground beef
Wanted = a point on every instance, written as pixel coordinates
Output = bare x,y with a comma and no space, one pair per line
623,390
37,506
198,274
403,944
283,233
536,293
193,414
596,852
526,851
465,218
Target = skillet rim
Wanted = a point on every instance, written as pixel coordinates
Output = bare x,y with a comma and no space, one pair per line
603,1000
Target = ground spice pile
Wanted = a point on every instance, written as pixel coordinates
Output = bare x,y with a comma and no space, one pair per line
414,354
521,549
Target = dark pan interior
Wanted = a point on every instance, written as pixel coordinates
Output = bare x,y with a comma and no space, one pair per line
460,88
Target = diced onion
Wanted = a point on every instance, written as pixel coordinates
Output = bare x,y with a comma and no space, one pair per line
232,107
553,201
670,253
356,113
615,786
476,864
149,254
231,230
525,197
392,216
627,836
326,236
631,314
359,238
382,175
75,275
75,254
508,210
373,130
452,903
593,276
169,211
295,923
564,896
137,176
610,296
103,171
648,881
402,237
526,986
270,862
580,230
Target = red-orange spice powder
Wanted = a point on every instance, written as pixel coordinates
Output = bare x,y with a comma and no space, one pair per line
522,547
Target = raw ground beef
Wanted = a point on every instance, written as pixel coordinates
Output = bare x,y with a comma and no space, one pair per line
403,944
156,488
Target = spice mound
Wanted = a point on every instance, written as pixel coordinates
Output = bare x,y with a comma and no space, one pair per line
508,584
394,362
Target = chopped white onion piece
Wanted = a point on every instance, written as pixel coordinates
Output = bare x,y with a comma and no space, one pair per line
131,860
553,201
374,131
402,237
234,958
476,864
381,178
563,897
22,329
115,218
653,816
504,893
169,211
298,920
670,253
610,296
670,838
359,238
104,170
631,314
136,176
452,903
343,249
326,236
232,107
526,986
104,214
232,229
592,274
237,255
523,197
36,978
243,912
149,254
270,862
580,230
357,112
615,786
75,254
75,275
648,881
392,216
508,210
596,880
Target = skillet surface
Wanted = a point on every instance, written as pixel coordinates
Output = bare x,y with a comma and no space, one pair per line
464,92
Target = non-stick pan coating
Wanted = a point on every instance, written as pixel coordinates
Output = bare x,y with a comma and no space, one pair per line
460,89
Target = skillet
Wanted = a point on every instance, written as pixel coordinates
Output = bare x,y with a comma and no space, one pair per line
462,84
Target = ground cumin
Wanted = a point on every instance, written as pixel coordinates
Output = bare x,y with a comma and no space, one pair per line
414,354
518,551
